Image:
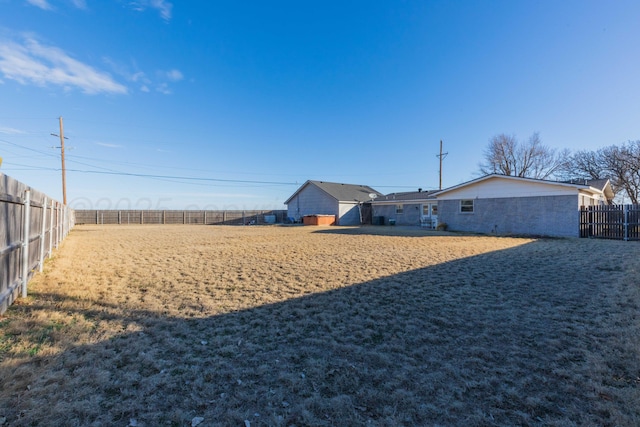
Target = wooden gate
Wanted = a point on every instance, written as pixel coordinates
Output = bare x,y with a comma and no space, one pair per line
620,222
366,213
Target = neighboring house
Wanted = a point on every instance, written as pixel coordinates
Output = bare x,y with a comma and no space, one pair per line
503,204
408,208
348,202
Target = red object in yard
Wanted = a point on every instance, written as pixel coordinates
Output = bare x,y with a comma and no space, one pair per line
319,220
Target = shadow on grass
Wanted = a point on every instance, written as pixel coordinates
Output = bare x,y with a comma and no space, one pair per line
525,336
383,230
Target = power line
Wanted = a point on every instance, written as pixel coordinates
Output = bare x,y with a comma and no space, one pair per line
170,178
186,178
28,148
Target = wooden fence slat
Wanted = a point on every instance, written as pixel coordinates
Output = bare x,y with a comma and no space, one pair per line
619,222
208,217
26,235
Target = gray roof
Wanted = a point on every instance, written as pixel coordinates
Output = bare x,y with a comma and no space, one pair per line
408,196
600,184
341,192
603,184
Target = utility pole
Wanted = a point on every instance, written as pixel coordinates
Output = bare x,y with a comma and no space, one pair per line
64,170
441,156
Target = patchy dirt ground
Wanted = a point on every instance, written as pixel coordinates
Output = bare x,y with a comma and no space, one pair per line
283,326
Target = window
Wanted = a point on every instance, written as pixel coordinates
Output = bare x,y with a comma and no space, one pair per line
399,209
429,209
466,206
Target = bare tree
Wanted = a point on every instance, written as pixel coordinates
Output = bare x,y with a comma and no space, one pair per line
623,164
531,159
586,165
620,164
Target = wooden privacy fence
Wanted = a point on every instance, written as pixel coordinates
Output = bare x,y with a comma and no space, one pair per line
620,222
207,217
31,226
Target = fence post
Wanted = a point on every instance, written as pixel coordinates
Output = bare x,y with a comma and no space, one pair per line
625,213
64,222
141,217
43,232
51,229
69,220
57,239
26,218
59,225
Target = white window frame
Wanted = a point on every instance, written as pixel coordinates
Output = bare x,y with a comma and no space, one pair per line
468,207
399,209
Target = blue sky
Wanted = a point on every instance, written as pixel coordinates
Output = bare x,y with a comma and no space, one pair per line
233,105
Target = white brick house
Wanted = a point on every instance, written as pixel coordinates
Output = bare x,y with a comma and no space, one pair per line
503,204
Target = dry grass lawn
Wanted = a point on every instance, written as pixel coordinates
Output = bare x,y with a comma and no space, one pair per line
296,326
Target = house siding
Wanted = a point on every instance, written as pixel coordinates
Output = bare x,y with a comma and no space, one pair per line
555,216
349,214
312,201
410,215
507,187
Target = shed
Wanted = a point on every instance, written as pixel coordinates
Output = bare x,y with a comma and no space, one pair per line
502,204
350,203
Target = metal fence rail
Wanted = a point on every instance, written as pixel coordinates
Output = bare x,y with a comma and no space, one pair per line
32,225
619,222
234,217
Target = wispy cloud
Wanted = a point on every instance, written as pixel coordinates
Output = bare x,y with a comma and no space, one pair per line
106,144
42,4
80,4
131,73
30,62
162,6
45,5
11,131
163,88
166,77
158,82
174,75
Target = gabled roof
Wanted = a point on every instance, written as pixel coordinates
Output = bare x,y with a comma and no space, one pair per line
603,185
408,196
341,192
592,186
